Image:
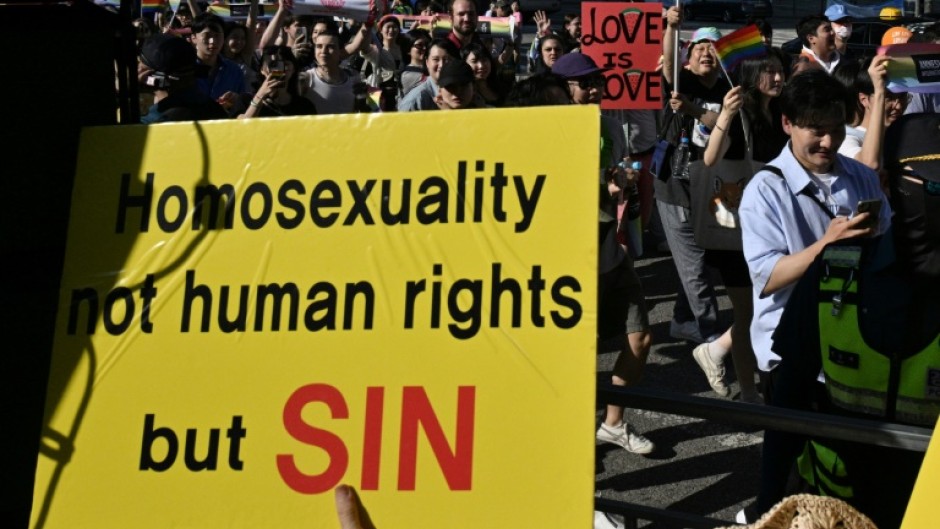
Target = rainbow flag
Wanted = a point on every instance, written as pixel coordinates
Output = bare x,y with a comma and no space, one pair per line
239,10
148,8
221,9
745,43
375,99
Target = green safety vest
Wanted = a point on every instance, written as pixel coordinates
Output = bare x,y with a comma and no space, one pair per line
860,379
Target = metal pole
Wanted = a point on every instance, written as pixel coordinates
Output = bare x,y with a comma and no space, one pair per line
676,67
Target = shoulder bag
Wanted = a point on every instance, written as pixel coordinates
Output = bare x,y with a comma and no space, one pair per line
716,193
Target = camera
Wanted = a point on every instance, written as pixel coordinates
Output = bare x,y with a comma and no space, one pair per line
158,80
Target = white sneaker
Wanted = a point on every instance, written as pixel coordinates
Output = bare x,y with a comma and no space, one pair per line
624,435
714,372
747,515
602,520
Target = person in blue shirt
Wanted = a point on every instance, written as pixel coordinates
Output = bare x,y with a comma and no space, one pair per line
167,66
803,200
867,315
217,77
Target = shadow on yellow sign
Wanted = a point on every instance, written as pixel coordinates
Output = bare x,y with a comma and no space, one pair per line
252,313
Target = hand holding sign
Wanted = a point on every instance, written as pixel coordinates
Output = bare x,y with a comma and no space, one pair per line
878,71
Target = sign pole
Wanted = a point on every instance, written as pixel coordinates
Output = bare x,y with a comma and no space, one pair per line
675,52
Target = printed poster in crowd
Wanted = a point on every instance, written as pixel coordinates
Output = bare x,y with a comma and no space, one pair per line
442,25
913,67
254,312
626,40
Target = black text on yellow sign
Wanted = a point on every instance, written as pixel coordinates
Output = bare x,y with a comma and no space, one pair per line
246,322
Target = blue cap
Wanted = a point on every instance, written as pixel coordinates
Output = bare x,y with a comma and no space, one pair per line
836,12
707,33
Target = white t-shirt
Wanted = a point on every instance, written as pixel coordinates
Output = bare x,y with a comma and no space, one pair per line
854,137
331,98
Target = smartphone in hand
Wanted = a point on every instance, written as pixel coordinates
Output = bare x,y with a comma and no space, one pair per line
873,208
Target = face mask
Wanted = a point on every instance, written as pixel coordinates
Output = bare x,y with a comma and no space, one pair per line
843,32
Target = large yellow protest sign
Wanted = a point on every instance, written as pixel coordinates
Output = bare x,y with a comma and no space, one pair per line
254,312
922,509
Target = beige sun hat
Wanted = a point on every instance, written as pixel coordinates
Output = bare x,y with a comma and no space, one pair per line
806,511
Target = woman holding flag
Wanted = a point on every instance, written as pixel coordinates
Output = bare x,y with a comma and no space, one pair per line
694,89
749,111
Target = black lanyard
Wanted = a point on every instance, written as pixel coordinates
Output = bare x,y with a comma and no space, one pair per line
805,191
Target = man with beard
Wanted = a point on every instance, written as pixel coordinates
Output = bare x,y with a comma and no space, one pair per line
819,41
463,17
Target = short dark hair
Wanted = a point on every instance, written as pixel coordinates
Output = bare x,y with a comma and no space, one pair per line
533,91
232,27
329,32
208,20
477,49
813,98
446,45
408,41
808,25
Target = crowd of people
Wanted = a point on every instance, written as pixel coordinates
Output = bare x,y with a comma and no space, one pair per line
819,135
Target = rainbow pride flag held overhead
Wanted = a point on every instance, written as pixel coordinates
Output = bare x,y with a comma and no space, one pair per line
239,10
745,43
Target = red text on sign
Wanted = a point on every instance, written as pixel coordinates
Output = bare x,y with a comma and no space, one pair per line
455,460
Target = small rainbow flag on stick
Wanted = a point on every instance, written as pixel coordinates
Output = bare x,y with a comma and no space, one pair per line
745,43
150,7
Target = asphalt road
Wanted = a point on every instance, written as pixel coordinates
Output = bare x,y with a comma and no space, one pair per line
699,467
